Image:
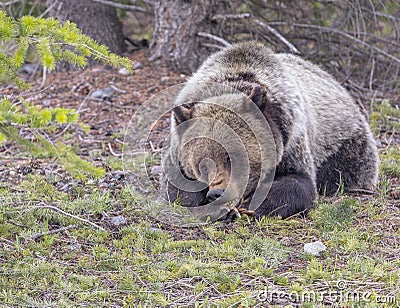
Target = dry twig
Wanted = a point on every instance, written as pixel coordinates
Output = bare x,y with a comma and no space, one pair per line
42,205
231,16
128,7
275,32
350,37
215,38
4,4
55,231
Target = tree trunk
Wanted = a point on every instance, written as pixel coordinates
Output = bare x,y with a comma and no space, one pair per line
175,37
98,21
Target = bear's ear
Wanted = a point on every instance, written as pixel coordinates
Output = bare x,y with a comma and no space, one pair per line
183,112
258,96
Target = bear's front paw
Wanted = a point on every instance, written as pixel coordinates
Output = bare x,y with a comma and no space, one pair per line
288,195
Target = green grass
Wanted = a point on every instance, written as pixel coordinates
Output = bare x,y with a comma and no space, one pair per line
149,263
384,117
390,164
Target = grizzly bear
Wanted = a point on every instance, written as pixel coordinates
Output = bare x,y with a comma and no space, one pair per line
265,132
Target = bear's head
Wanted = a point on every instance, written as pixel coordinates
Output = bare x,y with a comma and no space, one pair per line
225,141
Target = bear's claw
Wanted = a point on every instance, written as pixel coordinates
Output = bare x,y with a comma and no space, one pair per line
236,208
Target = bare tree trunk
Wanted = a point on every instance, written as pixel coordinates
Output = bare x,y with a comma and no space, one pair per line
175,37
98,21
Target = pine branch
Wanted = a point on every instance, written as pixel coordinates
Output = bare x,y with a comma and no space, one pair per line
48,38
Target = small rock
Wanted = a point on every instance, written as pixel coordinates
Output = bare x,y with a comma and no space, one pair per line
156,170
74,246
104,94
24,170
156,230
60,184
314,248
97,69
119,176
137,65
118,220
66,187
48,173
164,79
46,103
124,71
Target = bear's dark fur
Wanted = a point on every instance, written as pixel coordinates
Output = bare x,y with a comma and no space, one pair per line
322,138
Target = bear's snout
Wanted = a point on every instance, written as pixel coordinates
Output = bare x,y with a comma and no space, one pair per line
214,194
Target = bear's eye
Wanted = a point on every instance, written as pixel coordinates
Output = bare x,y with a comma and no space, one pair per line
228,161
184,173
187,106
203,169
183,112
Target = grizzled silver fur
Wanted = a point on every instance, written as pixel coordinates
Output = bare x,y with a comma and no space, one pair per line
322,137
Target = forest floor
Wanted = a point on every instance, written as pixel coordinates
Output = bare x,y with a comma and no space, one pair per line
93,242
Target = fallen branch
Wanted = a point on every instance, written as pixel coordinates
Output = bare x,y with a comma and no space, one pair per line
212,46
275,32
128,7
117,90
112,151
215,38
56,209
230,16
4,4
361,191
55,231
349,36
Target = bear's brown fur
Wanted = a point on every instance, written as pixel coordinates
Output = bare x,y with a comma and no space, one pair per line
318,137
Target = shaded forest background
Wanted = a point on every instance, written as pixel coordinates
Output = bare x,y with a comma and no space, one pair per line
357,41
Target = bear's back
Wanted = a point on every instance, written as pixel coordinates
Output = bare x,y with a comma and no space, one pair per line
321,108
